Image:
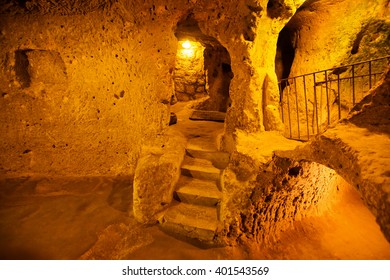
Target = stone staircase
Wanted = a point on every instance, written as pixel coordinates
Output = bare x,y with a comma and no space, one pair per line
194,214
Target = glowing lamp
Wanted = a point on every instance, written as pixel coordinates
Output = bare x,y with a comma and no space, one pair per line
186,44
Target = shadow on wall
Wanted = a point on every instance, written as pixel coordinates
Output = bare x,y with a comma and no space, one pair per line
35,66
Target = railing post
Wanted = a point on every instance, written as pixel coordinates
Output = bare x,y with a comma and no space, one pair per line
353,85
307,114
288,108
369,75
338,95
296,103
281,99
315,102
327,96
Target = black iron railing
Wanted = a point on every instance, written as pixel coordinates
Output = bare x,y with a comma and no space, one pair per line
311,102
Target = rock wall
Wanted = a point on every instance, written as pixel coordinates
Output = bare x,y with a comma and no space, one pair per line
271,182
357,148
283,192
254,70
113,63
158,171
190,76
82,93
322,35
326,34
264,193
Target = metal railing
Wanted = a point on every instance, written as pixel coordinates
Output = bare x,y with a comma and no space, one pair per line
311,102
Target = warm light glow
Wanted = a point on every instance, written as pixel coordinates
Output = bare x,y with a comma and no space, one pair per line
188,49
186,44
188,52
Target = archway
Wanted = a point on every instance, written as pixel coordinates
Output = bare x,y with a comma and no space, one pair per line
202,68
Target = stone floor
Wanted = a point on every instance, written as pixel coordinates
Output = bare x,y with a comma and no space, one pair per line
87,218
90,218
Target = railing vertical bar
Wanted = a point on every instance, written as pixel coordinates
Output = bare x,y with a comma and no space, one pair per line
353,85
288,108
327,96
338,95
307,113
315,102
281,100
369,75
296,102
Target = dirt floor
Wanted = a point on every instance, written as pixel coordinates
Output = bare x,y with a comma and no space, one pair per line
90,218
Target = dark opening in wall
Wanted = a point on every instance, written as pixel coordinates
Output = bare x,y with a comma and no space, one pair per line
284,55
356,43
217,64
278,9
39,66
22,3
21,68
226,68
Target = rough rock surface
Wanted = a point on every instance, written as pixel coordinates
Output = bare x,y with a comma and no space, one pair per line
326,34
323,35
284,193
357,148
112,100
119,59
264,194
156,175
54,7
111,80
266,191
190,76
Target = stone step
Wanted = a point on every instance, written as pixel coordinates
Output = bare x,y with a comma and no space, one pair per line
198,192
219,159
205,143
208,116
200,169
191,221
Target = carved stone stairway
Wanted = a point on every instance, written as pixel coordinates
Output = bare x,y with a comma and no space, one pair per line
194,214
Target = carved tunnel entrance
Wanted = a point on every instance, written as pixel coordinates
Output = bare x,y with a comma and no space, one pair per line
202,69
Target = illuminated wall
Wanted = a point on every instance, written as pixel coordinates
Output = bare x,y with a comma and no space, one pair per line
81,90
190,77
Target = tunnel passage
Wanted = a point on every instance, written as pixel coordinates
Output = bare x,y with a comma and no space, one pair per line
285,54
284,192
203,67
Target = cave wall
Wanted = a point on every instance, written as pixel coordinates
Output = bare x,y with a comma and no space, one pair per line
271,182
114,62
326,34
79,92
357,148
254,70
279,193
110,82
265,193
189,75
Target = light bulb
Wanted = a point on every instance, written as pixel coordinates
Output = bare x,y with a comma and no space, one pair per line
186,44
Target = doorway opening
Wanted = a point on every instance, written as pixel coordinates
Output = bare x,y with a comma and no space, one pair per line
203,70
